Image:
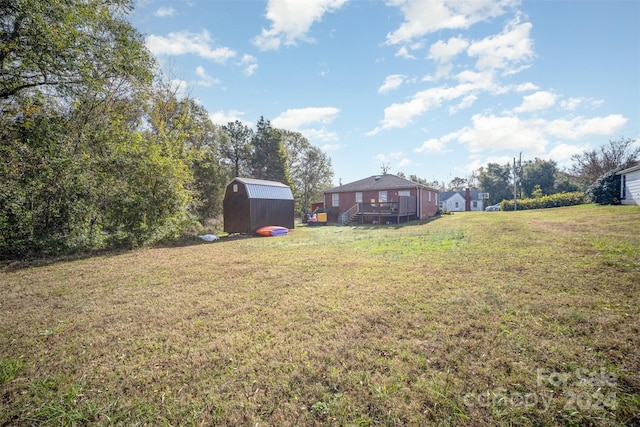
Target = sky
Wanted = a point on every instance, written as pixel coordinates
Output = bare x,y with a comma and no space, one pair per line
432,88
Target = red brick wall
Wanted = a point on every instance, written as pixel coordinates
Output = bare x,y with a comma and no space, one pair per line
428,207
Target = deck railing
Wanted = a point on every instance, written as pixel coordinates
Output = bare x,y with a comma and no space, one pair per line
346,216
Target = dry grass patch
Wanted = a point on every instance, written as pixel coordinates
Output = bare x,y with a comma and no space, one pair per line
472,319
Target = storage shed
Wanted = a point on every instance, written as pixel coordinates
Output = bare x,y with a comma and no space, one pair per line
253,203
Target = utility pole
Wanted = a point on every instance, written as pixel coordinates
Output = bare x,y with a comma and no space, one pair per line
515,185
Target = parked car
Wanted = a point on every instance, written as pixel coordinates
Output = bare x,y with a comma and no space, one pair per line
493,208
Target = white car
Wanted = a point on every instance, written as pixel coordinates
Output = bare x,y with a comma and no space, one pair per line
493,208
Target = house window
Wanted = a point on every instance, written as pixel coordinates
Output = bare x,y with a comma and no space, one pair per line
456,205
429,195
335,200
382,196
358,197
475,205
235,188
623,190
404,193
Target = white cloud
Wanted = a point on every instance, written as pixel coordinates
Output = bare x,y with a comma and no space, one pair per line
331,147
571,103
222,117
526,87
466,102
561,153
540,100
165,11
295,119
319,134
291,20
510,133
506,50
497,133
205,79
403,52
399,115
425,17
432,145
302,120
250,64
184,42
579,127
403,163
445,51
391,82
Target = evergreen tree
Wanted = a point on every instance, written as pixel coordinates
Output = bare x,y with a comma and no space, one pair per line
269,158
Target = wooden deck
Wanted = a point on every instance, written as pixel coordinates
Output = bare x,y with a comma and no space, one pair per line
387,212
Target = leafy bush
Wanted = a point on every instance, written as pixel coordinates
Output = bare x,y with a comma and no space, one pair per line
552,201
606,189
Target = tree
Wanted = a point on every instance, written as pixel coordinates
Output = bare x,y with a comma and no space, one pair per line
541,173
237,148
310,168
72,75
457,184
495,180
201,144
606,189
565,183
269,158
616,154
68,47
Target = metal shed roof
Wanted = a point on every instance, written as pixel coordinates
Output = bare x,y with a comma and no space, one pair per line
261,189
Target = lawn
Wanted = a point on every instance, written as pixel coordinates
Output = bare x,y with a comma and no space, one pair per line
487,318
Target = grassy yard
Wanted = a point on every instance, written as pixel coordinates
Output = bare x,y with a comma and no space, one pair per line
525,318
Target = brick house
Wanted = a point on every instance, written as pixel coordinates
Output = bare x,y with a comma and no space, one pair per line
380,199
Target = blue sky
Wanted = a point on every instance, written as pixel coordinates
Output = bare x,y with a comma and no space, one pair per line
433,88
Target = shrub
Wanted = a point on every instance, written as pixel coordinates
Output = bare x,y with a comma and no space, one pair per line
606,189
552,201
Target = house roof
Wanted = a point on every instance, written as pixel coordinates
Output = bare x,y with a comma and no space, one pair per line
629,170
261,189
375,183
446,195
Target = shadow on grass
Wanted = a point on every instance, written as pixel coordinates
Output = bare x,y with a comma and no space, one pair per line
34,259
392,225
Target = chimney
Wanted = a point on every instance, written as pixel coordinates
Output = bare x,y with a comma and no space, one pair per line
467,200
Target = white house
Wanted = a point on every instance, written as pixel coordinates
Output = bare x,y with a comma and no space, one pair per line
461,201
630,185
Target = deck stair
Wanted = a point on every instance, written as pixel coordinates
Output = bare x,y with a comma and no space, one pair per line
345,218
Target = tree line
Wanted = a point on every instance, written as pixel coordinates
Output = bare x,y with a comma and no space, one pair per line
97,149
592,172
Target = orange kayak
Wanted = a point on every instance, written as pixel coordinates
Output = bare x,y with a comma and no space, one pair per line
272,230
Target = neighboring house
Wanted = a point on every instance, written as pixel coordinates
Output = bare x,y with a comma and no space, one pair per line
630,185
253,203
462,201
380,199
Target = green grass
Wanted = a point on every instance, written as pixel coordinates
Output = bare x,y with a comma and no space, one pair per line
505,318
